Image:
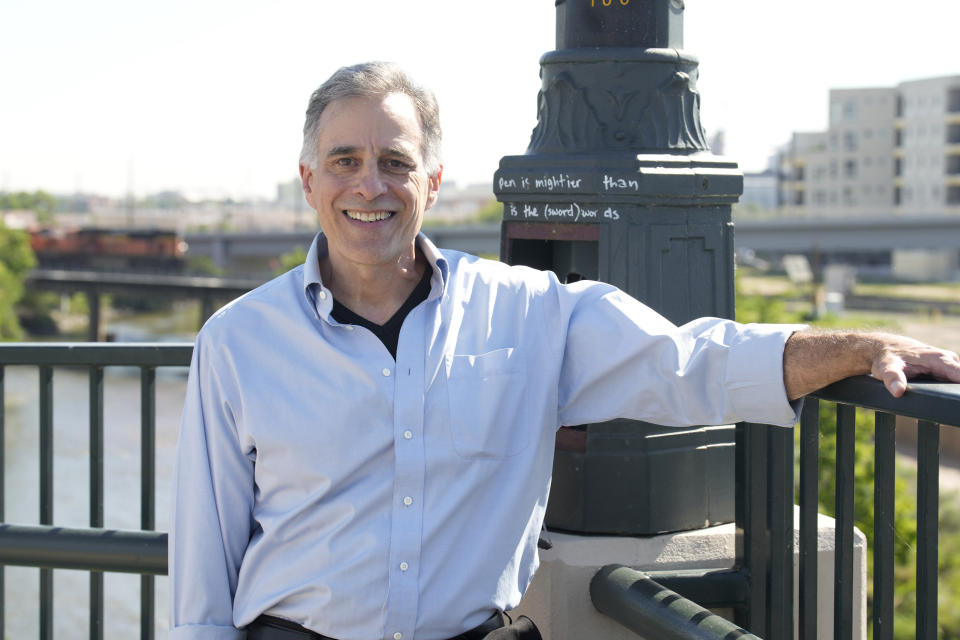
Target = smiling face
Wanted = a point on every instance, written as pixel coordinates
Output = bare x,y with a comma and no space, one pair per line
370,187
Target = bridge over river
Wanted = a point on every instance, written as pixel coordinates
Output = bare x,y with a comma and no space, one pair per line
247,257
250,252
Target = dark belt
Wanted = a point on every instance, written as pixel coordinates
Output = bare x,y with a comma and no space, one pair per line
272,628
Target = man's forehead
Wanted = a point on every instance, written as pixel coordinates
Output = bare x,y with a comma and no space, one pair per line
389,121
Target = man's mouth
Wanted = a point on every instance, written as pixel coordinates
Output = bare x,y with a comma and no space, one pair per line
368,216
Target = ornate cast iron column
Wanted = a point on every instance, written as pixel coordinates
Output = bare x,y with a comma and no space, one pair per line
618,185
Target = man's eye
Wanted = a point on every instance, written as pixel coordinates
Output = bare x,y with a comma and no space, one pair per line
344,162
397,164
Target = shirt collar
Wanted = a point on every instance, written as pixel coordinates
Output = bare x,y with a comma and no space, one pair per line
321,298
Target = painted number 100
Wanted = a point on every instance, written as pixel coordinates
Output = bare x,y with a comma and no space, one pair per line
607,3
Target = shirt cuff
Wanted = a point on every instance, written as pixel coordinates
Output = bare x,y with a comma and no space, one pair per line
206,632
755,375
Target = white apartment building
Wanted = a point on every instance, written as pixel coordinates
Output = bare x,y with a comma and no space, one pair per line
887,151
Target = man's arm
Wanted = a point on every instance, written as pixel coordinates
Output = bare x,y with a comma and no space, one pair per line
812,360
211,511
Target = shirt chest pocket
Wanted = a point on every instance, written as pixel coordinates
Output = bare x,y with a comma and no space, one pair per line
489,417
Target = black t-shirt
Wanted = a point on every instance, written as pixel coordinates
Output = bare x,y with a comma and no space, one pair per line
389,332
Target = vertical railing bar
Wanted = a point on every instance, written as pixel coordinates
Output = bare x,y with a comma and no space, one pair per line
96,494
741,510
928,512
148,402
780,512
885,448
843,547
3,514
809,502
46,494
751,504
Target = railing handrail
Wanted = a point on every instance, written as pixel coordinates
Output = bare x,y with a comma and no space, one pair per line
94,354
651,610
88,549
924,400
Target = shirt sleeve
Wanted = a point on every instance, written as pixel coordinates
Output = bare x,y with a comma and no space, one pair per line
622,359
212,505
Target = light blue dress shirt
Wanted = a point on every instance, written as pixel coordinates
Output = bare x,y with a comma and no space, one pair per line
321,481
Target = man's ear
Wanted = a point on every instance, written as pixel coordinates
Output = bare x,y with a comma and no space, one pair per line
306,173
434,192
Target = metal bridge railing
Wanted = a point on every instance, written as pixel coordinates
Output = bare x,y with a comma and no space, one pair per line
760,587
94,549
936,406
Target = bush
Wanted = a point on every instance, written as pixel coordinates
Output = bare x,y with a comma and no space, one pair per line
290,260
16,259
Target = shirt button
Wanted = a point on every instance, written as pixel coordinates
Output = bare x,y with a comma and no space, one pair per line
404,566
323,294
408,501
348,327
397,636
407,434
386,373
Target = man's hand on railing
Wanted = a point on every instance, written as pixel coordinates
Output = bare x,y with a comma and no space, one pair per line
812,360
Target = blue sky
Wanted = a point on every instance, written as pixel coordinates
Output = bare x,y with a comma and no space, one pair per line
208,96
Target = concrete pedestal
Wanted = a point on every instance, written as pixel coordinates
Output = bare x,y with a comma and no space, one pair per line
558,600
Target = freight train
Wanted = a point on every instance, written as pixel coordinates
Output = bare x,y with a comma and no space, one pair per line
95,249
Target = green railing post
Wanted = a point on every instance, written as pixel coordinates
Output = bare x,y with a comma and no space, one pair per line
3,475
928,507
148,454
753,536
809,477
843,563
46,494
885,450
96,494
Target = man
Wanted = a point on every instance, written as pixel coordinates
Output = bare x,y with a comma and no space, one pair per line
367,440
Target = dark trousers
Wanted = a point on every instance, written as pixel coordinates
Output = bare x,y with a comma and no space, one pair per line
495,628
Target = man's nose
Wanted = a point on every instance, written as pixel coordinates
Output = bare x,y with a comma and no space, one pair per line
370,183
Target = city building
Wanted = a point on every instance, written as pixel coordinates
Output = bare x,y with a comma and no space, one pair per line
886,152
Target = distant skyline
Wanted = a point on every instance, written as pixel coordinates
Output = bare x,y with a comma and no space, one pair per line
207,97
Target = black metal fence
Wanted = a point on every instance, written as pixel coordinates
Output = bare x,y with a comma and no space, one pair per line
95,549
759,589
933,405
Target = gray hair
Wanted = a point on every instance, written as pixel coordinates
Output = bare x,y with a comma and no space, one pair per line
373,79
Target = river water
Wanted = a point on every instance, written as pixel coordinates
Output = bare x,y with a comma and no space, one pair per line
71,487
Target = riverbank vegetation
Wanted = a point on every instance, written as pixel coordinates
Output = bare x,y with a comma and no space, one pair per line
16,259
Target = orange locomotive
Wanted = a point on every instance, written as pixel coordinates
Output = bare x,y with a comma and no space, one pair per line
145,250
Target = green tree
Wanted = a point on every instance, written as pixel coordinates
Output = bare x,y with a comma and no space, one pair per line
760,308
203,266
290,260
40,202
16,259
490,212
